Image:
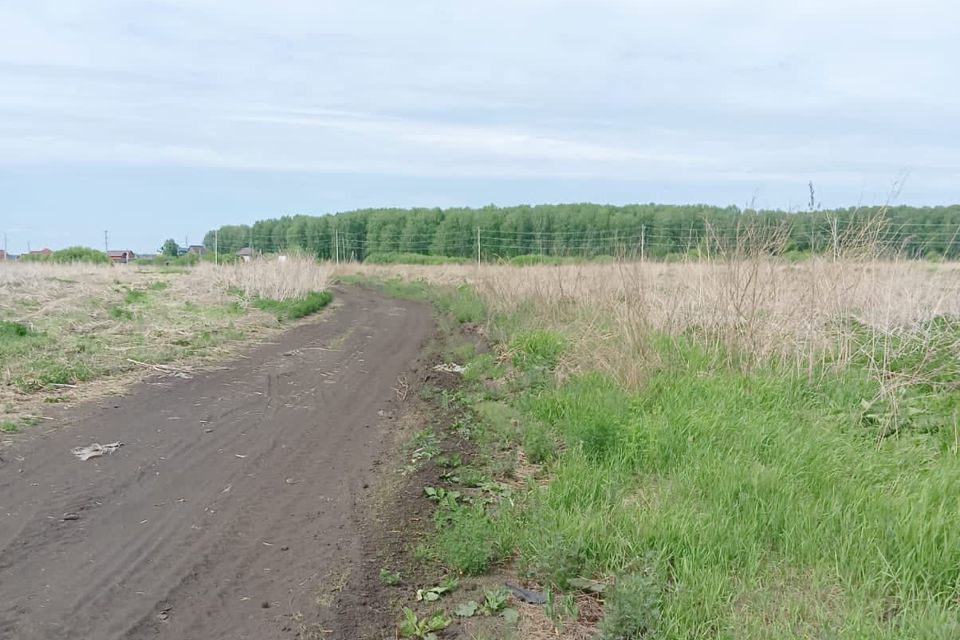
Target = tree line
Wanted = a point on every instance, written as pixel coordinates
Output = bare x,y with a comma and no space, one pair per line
592,230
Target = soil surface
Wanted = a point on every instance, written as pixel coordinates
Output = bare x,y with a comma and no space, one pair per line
232,508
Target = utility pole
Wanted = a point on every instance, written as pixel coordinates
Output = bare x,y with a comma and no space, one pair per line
478,247
336,244
106,244
216,246
643,240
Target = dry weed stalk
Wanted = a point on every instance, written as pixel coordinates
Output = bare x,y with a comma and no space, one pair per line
747,303
291,277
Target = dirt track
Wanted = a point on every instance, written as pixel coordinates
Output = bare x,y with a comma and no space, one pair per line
229,511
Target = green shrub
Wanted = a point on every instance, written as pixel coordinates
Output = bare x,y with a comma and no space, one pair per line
70,254
555,558
80,254
632,609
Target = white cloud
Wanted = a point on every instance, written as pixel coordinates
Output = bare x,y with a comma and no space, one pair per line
741,91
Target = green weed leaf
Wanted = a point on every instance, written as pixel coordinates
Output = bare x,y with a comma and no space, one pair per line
467,609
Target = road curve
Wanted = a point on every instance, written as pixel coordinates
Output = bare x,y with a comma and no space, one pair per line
229,509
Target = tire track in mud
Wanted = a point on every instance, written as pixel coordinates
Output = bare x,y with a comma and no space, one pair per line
234,493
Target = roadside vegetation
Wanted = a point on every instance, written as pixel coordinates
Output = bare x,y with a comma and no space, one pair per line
64,326
748,448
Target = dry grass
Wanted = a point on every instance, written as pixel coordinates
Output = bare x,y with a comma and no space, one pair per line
97,328
279,280
536,625
760,308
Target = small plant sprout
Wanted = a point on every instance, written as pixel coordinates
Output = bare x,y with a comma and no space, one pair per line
413,626
494,600
443,497
560,610
389,578
447,585
494,603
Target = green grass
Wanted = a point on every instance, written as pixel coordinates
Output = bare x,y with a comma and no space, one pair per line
412,258
211,338
121,313
537,348
724,502
135,296
460,353
774,509
470,540
529,260
17,340
47,372
481,367
12,331
294,308
463,303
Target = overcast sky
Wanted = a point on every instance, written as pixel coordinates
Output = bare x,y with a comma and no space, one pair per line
171,117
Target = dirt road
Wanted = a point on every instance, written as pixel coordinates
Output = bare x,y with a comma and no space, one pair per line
229,511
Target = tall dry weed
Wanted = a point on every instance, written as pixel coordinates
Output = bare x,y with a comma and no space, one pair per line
755,306
291,277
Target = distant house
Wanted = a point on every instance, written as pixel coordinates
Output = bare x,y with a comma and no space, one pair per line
247,254
42,252
197,250
122,256
3,255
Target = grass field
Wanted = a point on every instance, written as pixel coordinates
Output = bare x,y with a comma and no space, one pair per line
64,326
728,449
742,449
